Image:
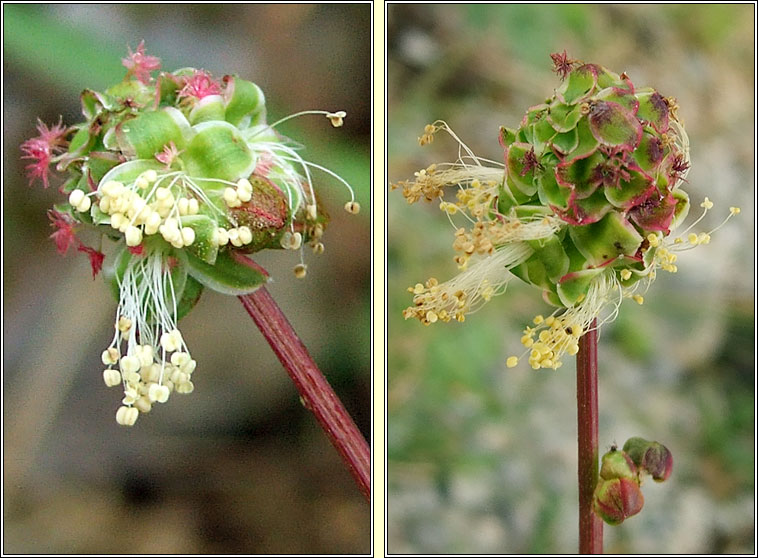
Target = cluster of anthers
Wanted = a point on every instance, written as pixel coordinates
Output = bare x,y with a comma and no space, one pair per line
155,360
494,243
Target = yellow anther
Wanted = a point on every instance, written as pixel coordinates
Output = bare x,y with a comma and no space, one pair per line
111,377
550,320
626,274
638,299
158,393
127,416
692,239
544,336
653,240
734,210
538,319
300,270
353,207
707,204
511,362
336,118
572,349
431,317
703,238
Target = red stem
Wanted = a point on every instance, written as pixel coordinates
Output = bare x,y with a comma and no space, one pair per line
316,393
590,525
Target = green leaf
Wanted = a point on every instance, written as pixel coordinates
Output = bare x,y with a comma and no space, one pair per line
231,274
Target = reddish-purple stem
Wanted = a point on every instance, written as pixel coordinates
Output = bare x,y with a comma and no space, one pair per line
317,395
590,525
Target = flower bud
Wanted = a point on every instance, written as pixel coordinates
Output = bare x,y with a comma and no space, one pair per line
650,457
617,465
616,499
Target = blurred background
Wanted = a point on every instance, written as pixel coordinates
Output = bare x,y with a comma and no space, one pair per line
238,466
482,459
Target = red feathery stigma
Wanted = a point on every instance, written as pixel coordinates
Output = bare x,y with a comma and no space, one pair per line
199,85
679,166
168,155
530,162
140,65
64,234
95,258
562,64
41,149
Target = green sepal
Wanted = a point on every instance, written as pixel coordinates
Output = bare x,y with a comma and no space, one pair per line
617,465
579,174
230,275
81,138
218,151
144,136
203,247
653,108
266,214
138,93
550,251
682,208
245,102
587,142
623,97
614,125
631,193
94,102
566,142
579,83
550,192
515,167
606,239
574,285
649,154
507,137
166,89
190,297
99,163
129,171
564,117
207,109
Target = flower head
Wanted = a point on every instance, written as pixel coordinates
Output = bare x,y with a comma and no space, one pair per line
187,177
582,208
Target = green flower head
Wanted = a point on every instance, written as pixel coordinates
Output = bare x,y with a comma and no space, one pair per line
183,172
583,207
